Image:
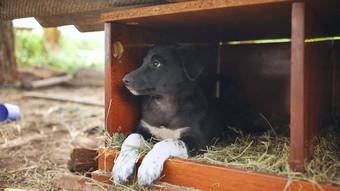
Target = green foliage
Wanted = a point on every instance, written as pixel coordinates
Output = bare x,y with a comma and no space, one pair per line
65,61
30,50
72,46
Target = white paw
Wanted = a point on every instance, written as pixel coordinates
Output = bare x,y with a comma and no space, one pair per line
152,165
125,163
149,171
124,167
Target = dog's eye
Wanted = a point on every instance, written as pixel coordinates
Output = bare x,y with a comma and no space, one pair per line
156,64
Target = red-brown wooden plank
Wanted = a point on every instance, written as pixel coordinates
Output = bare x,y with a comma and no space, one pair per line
105,177
121,107
311,83
216,20
297,113
213,177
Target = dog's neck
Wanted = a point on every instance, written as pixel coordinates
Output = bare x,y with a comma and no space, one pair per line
184,89
165,103
169,102
161,110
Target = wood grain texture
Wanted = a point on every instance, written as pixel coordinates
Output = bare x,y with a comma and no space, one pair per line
39,8
121,107
329,12
189,6
105,177
79,18
297,111
216,20
8,66
213,177
264,71
83,160
311,83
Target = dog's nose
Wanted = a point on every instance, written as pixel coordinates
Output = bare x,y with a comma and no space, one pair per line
127,80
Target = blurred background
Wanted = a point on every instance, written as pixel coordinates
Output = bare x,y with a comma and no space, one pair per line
64,48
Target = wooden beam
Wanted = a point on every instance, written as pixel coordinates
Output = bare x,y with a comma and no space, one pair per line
216,20
105,177
40,8
80,18
187,7
297,113
50,81
311,84
62,98
86,18
90,28
213,177
121,107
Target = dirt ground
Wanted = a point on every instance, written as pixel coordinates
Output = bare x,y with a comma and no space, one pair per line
35,147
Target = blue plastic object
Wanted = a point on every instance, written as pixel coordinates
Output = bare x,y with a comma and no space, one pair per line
9,111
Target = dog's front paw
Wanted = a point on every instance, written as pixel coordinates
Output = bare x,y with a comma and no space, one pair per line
123,168
152,165
125,163
149,171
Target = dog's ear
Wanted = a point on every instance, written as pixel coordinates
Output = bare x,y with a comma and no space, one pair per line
192,62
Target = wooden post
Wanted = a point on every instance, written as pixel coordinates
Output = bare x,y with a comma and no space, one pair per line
125,48
51,39
8,65
311,84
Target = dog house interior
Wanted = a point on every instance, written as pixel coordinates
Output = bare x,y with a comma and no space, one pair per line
296,75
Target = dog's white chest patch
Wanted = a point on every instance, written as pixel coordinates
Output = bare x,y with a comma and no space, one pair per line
163,132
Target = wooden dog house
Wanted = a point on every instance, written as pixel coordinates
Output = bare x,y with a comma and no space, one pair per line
300,77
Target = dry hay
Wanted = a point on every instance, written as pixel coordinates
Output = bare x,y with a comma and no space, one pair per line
268,153
38,175
38,145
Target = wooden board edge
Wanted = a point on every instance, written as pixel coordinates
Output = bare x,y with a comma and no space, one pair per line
102,176
207,176
105,177
309,62
297,104
173,8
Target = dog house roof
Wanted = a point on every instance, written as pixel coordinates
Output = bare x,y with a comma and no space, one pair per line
223,20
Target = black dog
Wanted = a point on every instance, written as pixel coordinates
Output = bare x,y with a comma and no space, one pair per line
174,110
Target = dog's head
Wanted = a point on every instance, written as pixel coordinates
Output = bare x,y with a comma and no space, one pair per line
165,68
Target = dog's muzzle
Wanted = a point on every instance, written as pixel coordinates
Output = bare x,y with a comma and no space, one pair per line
127,81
